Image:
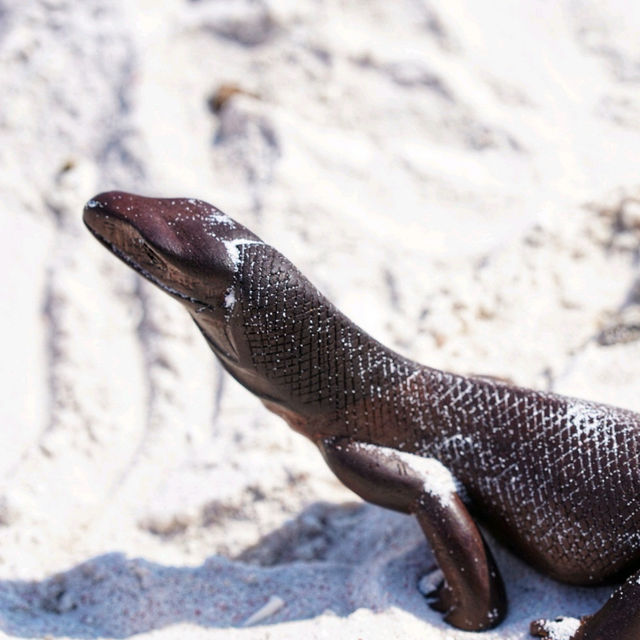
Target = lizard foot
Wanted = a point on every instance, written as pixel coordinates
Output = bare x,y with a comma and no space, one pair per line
559,629
433,587
441,598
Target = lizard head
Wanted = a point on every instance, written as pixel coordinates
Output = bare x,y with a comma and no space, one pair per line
186,247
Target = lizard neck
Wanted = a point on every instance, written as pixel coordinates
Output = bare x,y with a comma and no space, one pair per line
309,358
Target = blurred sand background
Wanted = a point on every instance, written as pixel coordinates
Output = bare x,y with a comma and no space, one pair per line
461,178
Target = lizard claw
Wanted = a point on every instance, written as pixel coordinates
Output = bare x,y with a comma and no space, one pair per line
433,587
441,598
562,628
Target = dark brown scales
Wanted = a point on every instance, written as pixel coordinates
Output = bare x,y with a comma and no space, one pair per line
538,467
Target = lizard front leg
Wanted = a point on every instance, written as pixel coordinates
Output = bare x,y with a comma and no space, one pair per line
472,596
618,619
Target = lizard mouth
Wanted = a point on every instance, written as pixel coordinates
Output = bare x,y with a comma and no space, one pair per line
200,306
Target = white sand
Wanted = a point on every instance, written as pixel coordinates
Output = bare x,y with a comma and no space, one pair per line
460,179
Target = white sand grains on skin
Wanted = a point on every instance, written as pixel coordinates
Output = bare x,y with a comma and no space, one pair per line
221,218
437,480
232,247
561,629
230,299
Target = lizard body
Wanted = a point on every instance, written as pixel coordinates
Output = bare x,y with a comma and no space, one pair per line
556,478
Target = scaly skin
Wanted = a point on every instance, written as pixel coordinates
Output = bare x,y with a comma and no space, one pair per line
555,477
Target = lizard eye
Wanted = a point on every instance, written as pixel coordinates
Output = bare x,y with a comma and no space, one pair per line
154,258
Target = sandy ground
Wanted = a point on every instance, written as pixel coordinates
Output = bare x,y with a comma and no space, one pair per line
461,178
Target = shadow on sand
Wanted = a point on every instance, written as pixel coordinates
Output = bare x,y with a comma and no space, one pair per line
331,557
